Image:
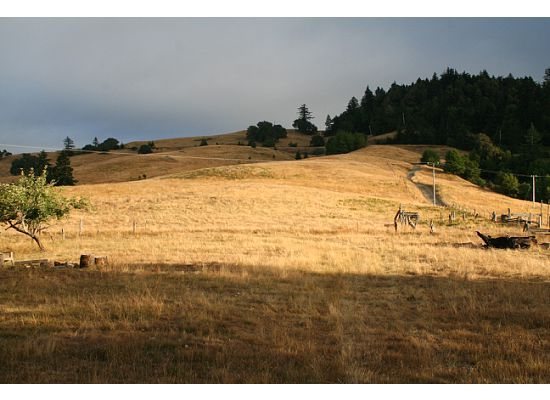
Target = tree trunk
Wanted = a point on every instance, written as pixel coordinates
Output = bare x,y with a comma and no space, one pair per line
86,260
38,242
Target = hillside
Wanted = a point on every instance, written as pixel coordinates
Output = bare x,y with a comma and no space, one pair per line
171,156
279,272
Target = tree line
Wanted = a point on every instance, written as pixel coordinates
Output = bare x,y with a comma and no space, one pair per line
502,122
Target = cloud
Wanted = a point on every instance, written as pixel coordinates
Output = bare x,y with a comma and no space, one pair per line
152,78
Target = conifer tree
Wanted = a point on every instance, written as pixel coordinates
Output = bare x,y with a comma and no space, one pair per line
62,173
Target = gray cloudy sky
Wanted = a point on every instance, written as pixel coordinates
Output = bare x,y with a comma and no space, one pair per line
155,78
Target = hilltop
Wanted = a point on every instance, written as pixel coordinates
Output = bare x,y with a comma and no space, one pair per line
171,156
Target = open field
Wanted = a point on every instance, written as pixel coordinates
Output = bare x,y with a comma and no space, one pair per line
280,272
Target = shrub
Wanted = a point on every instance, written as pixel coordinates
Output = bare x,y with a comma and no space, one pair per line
317,141
430,156
454,163
508,184
344,142
145,149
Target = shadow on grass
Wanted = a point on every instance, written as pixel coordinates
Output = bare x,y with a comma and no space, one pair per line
227,324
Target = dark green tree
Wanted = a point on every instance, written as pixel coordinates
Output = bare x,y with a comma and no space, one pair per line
28,163
62,172
145,149
328,124
317,141
344,142
109,144
430,156
68,144
508,184
266,133
454,163
303,124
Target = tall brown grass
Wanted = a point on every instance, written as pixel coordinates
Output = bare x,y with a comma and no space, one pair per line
279,272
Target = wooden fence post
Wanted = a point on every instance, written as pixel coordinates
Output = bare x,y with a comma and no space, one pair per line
62,233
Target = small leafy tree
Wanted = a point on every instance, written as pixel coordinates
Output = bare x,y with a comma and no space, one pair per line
508,184
28,205
430,156
454,163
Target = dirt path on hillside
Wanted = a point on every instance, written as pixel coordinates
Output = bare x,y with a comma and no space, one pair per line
427,190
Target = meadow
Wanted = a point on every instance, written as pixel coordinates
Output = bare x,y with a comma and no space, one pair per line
280,272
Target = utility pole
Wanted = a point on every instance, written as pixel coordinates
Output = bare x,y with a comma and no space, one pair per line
433,174
533,189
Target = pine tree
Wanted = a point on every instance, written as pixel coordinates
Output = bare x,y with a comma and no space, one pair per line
302,124
353,104
63,172
304,113
68,143
328,124
95,142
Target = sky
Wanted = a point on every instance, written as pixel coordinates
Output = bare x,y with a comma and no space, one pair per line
147,79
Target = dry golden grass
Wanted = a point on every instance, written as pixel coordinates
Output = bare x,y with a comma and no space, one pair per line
279,272
171,156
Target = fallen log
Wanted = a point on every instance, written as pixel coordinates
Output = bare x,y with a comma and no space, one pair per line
508,242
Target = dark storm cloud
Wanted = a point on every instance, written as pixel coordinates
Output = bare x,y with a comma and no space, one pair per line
152,78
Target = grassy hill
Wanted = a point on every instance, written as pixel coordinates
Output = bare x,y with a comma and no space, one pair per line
277,271
171,156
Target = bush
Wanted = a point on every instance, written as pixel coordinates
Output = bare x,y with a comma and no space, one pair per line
430,156
290,144
317,141
145,149
454,163
344,142
508,184
109,144
265,132
204,142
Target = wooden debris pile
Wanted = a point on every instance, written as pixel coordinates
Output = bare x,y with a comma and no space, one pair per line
508,242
